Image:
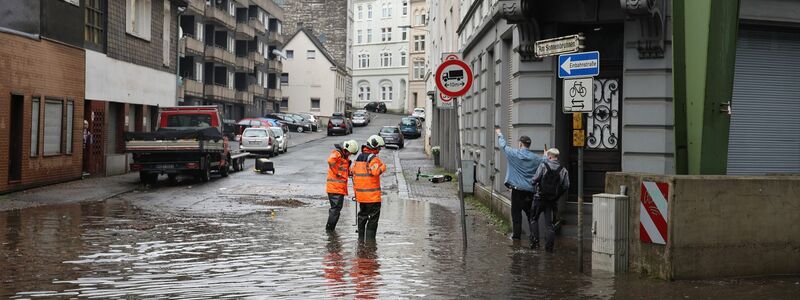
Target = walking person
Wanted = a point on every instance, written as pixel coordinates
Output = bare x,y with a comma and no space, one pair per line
336,186
551,182
367,172
522,164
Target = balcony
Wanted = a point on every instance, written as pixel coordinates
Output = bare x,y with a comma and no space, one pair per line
219,93
258,26
192,88
244,64
274,94
221,17
197,7
256,90
244,97
274,66
244,3
275,38
244,31
192,46
220,55
272,9
256,57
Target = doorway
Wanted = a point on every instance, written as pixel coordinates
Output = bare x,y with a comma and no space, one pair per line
15,138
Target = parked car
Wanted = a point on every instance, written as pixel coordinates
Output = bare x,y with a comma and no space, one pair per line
361,118
339,124
391,136
419,112
311,118
278,123
378,107
259,141
409,128
282,139
308,126
291,122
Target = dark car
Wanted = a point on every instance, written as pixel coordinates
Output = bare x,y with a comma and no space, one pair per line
409,127
338,124
391,136
290,121
378,107
307,124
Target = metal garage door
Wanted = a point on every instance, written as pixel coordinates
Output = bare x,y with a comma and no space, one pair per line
765,124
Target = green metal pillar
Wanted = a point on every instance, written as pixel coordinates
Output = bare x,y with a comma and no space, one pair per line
704,53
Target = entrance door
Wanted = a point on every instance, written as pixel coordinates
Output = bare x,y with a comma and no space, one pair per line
96,155
15,138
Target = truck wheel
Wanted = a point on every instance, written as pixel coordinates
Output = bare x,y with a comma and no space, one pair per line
145,177
223,171
205,172
236,165
172,177
300,129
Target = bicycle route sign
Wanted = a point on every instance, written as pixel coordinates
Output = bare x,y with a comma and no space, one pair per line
576,65
578,95
454,76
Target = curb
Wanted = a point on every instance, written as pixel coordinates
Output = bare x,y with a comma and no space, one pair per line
401,179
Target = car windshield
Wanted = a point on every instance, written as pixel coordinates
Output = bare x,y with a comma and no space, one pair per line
255,133
296,118
419,110
390,130
277,131
358,115
200,121
408,121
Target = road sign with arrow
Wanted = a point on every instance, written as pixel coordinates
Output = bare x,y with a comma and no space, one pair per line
584,64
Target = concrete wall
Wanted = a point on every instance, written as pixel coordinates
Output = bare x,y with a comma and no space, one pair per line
719,226
109,79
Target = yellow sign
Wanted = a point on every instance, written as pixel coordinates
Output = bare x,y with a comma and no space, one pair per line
577,120
578,138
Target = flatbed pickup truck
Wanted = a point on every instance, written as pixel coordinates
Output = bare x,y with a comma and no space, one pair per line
189,140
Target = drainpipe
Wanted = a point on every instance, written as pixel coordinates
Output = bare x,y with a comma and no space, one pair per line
181,9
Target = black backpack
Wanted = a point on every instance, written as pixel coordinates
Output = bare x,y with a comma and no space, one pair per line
550,184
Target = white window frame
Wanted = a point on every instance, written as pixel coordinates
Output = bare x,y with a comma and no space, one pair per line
199,31
405,8
386,59
53,125
289,54
363,60
404,34
386,34
230,79
138,18
369,35
419,43
231,8
311,54
198,72
360,36
386,91
35,114
360,12
369,11
319,104
231,44
364,92
403,58
419,69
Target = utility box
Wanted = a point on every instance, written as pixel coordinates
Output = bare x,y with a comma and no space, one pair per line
610,233
468,175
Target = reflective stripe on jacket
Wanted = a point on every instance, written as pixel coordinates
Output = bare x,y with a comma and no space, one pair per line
338,171
367,177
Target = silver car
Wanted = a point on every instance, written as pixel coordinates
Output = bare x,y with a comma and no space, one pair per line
361,118
259,141
392,136
282,138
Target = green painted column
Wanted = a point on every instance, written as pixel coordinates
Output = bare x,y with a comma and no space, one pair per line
704,53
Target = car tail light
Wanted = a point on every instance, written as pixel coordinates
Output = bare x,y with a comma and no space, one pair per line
136,167
192,165
330,124
269,140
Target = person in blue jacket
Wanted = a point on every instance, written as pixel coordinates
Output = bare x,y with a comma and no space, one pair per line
522,165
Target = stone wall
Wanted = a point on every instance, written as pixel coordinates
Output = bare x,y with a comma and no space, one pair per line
327,19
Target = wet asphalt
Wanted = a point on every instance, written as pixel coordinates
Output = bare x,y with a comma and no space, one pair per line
257,235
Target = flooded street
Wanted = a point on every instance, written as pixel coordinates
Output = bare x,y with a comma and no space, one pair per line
262,236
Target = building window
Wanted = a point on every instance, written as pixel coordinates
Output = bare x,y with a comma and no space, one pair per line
284,78
405,7
35,127
199,32
93,32
386,34
137,21
231,44
230,80
69,120
419,69
419,43
364,92
386,91
360,12
289,54
311,54
387,10
363,60
315,104
165,36
285,103
53,112
386,59
360,36
404,34
369,12
403,56
198,72
369,35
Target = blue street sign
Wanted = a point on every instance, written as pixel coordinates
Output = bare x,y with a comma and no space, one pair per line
584,64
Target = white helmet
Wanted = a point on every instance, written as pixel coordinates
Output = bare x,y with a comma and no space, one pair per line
375,142
350,146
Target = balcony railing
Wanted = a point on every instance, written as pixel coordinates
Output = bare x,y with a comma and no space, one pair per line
220,16
274,66
219,92
193,46
244,3
256,57
244,64
274,94
244,97
272,9
197,6
220,55
257,90
258,26
192,88
275,38
244,31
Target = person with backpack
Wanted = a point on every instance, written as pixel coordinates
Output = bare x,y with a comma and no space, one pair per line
551,181
336,183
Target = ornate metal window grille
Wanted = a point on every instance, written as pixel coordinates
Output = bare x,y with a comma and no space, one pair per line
602,123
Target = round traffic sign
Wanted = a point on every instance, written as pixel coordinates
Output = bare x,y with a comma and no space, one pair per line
445,98
454,77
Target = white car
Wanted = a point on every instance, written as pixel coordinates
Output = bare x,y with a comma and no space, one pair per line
419,113
282,138
361,118
259,141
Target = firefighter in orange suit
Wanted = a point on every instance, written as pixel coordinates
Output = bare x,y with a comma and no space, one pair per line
367,185
338,172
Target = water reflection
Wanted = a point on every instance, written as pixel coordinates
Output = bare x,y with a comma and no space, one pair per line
365,271
334,266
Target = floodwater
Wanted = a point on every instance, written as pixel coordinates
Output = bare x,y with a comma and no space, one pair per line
115,249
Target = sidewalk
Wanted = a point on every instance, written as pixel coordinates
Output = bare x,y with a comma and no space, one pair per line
413,159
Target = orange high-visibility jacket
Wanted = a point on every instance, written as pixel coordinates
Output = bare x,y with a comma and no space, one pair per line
338,171
367,177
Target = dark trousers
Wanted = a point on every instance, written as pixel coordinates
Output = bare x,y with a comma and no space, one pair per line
337,201
548,210
368,216
520,202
